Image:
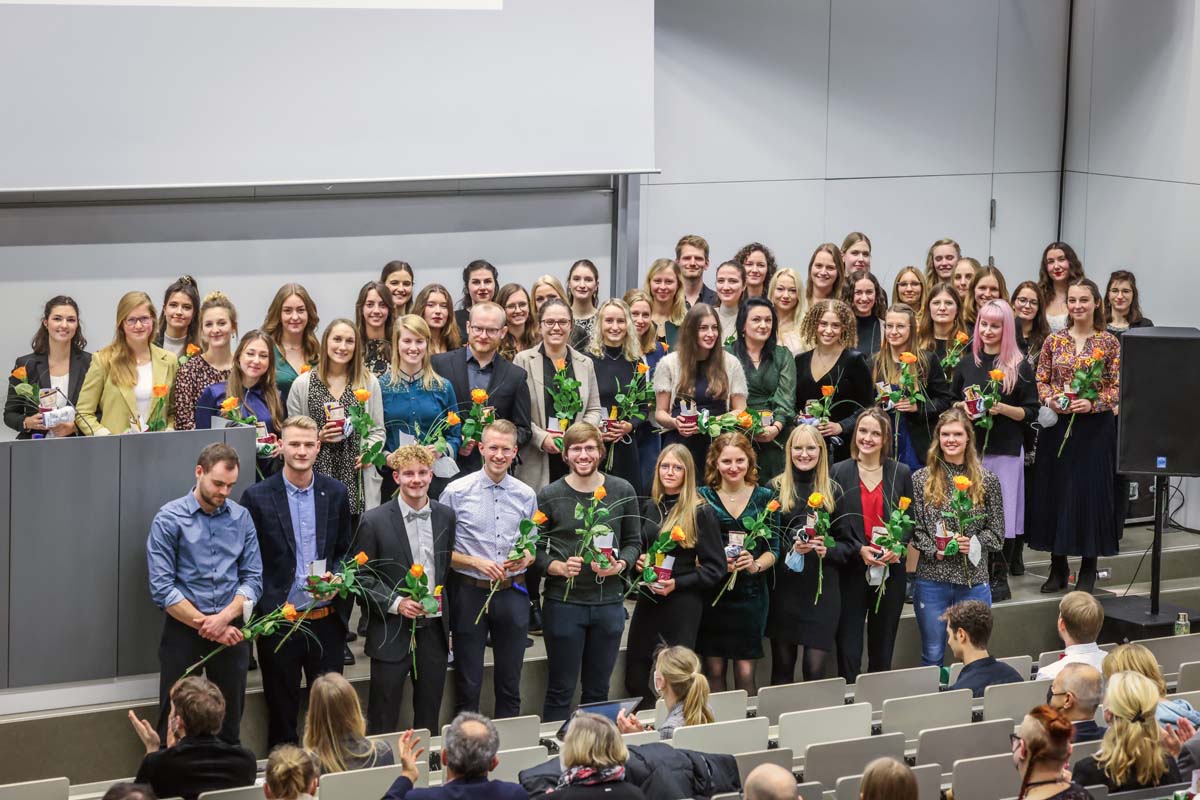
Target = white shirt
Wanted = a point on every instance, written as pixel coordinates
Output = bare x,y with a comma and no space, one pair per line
420,542
1075,654
143,390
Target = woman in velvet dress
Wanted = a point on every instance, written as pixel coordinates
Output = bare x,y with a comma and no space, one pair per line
828,329
770,370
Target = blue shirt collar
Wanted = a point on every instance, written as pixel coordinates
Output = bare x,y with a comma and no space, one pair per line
293,489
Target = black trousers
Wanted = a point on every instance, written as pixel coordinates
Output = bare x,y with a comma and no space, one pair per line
387,684
309,654
582,643
858,612
507,619
180,647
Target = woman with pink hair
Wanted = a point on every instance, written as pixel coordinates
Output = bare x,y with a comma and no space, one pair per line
996,369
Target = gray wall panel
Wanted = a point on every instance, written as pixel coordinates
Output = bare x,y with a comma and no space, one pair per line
242,439
64,557
6,503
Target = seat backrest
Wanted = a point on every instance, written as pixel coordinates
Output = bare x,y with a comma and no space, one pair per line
1081,750
423,734
1189,677
643,737
875,687
1098,792
728,796
828,761
513,761
776,700
1171,651
48,789
736,736
911,715
746,762
1050,656
725,707
948,745
359,783
1022,664
239,793
929,784
515,732
799,729
1013,700
1192,697
810,790
985,778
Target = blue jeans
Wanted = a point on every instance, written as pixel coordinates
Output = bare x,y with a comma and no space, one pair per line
930,601
581,646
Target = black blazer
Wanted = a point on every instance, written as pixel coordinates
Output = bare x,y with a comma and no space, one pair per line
508,393
197,764
267,502
848,511
382,536
37,365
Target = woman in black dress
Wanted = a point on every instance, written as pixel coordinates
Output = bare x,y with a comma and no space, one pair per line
869,302
798,618
668,611
942,319
828,329
1122,312
914,421
869,486
617,356
1029,314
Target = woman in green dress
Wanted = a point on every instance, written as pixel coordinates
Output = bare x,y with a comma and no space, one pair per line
771,379
733,626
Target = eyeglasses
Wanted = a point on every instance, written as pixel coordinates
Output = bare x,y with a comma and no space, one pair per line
1026,301
556,323
492,332
138,322
1013,738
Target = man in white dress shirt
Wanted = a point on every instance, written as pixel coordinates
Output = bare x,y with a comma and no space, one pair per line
1080,617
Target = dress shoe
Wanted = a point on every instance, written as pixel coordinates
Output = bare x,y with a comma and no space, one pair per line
1086,582
347,657
1055,583
535,620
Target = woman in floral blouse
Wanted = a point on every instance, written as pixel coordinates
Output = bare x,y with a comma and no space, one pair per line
1072,492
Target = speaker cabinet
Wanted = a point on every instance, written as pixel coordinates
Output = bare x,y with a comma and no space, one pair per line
1157,431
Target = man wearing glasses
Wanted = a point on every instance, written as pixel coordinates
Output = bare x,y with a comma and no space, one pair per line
478,365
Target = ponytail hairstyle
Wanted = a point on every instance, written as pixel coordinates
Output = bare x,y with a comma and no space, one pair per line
680,669
785,483
235,387
291,772
41,339
218,300
1047,736
184,284
684,512
590,266
390,269
1131,748
1009,358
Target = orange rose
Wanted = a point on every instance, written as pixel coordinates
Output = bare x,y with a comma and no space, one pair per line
362,395
161,389
452,419
816,500
20,373
361,558
600,493
997,375
962,483
539,518
1097,354
305,368
561,364
827,391
478,396
191,350
289,612
961,337
907,358
666,347
745,420
773,506
904,503
416,570
642,369
229,404
677,534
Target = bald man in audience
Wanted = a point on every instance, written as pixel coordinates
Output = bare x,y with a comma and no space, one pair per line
1076,692
769,782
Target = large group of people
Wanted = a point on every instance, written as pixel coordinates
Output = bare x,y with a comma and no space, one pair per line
792,454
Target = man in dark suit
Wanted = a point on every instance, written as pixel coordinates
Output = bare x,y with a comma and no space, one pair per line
401,533
194,760
468,754
478,365
1076,692
303,523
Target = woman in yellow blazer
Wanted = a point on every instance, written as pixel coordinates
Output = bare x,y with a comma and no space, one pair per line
541,460
119,391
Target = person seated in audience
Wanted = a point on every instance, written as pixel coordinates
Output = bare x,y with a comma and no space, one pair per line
194,759
335,731
969,626
1040,749
683,688
127,790
1131,755
888,779
593,757
1134,657
1075,693
1079,619
769,782
291,774
468,754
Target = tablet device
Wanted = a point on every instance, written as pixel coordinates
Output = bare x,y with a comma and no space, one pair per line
608,708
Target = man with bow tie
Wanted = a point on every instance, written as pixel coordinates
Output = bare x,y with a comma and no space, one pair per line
412,529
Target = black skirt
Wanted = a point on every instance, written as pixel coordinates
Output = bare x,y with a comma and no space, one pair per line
793,617
1072,494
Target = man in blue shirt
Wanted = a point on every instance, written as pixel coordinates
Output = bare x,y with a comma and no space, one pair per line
969,626
204,564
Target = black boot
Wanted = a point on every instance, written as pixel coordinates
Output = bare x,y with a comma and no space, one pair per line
1059,575
1015,554
998,571
1086,580
535,619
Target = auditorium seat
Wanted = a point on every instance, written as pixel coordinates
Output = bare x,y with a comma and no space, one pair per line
1013,700
875,687
746,762
725,706
911,715
424,734
799,729
736,736
516,732
1050,656
1189,677
1022,664
929,783
48,789
776,700
361,784
1171,651
237,793
985,778
1081,750
828,761
513,761
642,737
946,746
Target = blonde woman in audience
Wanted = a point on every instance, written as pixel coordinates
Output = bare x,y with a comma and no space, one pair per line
118,390
291,774
1041,748
825,274
291,322
940,261
888,779
593,757
434,305
545,288
1134,657
664,287
683,688
759,262
910,288
1131,754
335,731
218,329
784,292
856,252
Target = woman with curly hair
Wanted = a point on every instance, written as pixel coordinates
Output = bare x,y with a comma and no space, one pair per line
832,367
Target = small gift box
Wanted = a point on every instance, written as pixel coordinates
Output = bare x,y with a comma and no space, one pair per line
688,413
664,567
974,402
735,548
556,425
604,544
810,527
335,412
877,532
883,393
767,418
47,399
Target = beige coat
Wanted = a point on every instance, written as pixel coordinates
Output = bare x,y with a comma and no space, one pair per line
534,469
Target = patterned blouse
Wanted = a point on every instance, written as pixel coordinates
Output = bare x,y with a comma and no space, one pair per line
336,459
194,376
989,528
1059,360
377,356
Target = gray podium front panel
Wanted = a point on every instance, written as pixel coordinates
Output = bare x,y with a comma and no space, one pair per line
63,596
5,502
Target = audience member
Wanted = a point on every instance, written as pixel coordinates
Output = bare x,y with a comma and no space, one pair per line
194,759
888,779
769,782
1075,693
128,790
335,731
969,626
468,754
593,760
291,774
1040,749
1080,617
1134,657
683,688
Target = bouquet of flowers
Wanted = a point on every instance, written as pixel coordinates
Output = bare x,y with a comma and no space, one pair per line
361,422
528,536
264,625
746,422
564,391
416,588
987,398
961,514
954,351
1085,385
816,502
665,543
478,418
189,352
897,526
28,392
593,524
157,421
821,410
231,409
436,435
757,530
633,400
909,389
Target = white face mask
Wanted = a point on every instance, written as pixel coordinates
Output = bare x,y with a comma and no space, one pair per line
659,684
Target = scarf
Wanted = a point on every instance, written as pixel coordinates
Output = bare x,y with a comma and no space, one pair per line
590,776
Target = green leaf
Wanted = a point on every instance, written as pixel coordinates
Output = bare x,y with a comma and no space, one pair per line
747,522
579,509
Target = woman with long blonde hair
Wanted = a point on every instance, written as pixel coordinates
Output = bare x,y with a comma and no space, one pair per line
218,329
616,356
291,322
669,608
649,438
544,288
1131,754
912,421
335,731
664,287
786,293
1134,657
683,689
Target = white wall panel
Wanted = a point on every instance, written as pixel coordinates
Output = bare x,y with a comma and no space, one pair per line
1026,221
1079,109
740,89
903,216
1074,207
911,93
1031,63
784,215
